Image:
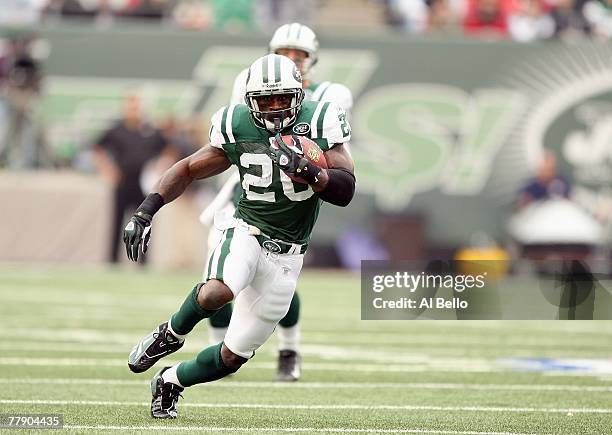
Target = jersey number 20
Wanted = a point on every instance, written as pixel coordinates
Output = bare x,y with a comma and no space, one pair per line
265,180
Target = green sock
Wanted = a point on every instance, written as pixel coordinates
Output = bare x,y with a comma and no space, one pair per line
293,315
190,313
207,366
222,317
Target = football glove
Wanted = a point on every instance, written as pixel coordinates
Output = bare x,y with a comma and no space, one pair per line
136,234
292,162
285,158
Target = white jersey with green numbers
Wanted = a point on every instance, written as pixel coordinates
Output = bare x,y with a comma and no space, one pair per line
278,206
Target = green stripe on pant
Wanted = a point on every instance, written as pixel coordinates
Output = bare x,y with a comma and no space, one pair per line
217,272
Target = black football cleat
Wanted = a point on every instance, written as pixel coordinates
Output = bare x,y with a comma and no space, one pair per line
165,396
289,363
152,348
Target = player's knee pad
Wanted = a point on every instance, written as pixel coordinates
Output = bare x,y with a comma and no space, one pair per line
275,302
293,315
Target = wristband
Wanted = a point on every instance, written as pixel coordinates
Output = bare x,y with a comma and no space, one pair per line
308,171
151,205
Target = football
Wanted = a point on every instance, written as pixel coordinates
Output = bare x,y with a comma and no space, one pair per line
309,149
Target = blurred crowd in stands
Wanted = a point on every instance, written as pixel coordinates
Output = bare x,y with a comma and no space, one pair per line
24,140
521,20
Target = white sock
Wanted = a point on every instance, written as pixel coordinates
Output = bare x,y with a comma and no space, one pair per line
179,336
170,376
216,335
289,338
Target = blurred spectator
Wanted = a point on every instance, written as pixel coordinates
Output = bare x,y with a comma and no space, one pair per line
152,9
391,16
271,14
120,155
529,21
237,14
409,15
569,21
487,18
547,184
192,15
21,139
598,14
441,17
78,8
104,10
181,134
20,13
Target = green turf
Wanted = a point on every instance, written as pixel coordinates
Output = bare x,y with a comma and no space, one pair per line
67,333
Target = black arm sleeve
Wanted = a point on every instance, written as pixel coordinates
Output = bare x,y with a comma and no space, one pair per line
340,187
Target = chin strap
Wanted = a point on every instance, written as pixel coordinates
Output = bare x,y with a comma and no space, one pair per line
277,125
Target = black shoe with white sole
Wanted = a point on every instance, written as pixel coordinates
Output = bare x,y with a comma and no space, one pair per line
289,363
165,396
158,344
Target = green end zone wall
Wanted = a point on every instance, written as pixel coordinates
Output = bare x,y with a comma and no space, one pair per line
446,129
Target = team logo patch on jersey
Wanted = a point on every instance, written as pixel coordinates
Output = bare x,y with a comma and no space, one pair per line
301,128
271,246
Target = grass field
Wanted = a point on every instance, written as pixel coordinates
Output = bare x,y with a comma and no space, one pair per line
66,334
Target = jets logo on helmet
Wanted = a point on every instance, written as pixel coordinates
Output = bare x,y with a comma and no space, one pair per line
297,75
274,94
299,37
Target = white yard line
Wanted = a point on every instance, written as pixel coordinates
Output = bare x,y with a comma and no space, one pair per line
325,407
388,337
348,352
413,364
60,362
285,429
444,365
325,385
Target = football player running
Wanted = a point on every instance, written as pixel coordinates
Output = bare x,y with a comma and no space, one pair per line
259,258
299,43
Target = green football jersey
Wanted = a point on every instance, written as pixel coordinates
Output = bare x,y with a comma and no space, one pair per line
280,207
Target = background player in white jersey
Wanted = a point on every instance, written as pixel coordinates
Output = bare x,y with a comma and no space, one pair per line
259,258
299,43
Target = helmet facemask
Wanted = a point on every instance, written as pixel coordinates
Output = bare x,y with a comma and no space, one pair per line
274,92
275,119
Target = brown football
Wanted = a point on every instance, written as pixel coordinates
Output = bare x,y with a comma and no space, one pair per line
309,149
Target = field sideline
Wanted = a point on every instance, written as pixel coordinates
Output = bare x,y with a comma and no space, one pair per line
67,333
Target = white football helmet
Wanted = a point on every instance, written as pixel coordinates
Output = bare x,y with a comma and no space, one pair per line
299,37
271,76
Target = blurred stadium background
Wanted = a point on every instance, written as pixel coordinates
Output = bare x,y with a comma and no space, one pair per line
482,130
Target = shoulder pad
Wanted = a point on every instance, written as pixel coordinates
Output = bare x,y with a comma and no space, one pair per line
221,131
329,125
335,92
